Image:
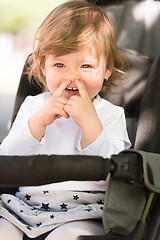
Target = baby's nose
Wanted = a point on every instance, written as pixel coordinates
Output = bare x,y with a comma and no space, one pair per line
72,76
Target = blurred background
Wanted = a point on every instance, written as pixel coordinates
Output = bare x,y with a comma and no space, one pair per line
19,21
136,23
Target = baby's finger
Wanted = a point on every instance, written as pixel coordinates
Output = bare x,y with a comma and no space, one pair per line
61,88
62,113
65,114
82,89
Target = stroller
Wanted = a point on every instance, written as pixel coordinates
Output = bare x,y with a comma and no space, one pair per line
133,213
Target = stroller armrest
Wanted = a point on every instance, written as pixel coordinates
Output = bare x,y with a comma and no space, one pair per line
42,169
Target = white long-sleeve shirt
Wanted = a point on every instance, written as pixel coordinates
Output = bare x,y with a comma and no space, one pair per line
63,136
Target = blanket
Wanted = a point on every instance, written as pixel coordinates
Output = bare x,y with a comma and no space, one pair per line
39,212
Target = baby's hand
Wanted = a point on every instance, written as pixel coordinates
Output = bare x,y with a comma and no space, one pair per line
80,107
83,112
53,109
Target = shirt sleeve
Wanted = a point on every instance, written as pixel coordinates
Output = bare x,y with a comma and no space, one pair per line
113,139
20,140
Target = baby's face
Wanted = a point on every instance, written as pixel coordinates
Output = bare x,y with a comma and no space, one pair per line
82,65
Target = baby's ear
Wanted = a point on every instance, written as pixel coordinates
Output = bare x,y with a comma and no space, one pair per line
108,73
43,69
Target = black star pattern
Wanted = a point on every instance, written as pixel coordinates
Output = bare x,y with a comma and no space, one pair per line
29,228
45,192
36,212
28,197
39,224
45,206
63,206
101,208
21,210
75,197
33,208
89,209
9,200
100,202
52,216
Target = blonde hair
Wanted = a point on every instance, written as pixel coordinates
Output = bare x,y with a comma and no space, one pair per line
70,27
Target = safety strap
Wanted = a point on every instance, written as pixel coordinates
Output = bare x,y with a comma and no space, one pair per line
140,232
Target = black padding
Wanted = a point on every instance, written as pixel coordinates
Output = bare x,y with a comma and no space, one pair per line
148,132
42,169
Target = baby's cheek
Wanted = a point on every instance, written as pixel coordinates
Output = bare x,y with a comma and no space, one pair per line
94,89
51,87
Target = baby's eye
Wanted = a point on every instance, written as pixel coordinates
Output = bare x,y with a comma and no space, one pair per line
86,66
59,65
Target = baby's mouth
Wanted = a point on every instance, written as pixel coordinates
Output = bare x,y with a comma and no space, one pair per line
72,89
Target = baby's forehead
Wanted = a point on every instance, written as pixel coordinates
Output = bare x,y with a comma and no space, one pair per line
83,50
86,53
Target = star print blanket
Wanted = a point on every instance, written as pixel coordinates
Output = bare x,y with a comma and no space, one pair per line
41,211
